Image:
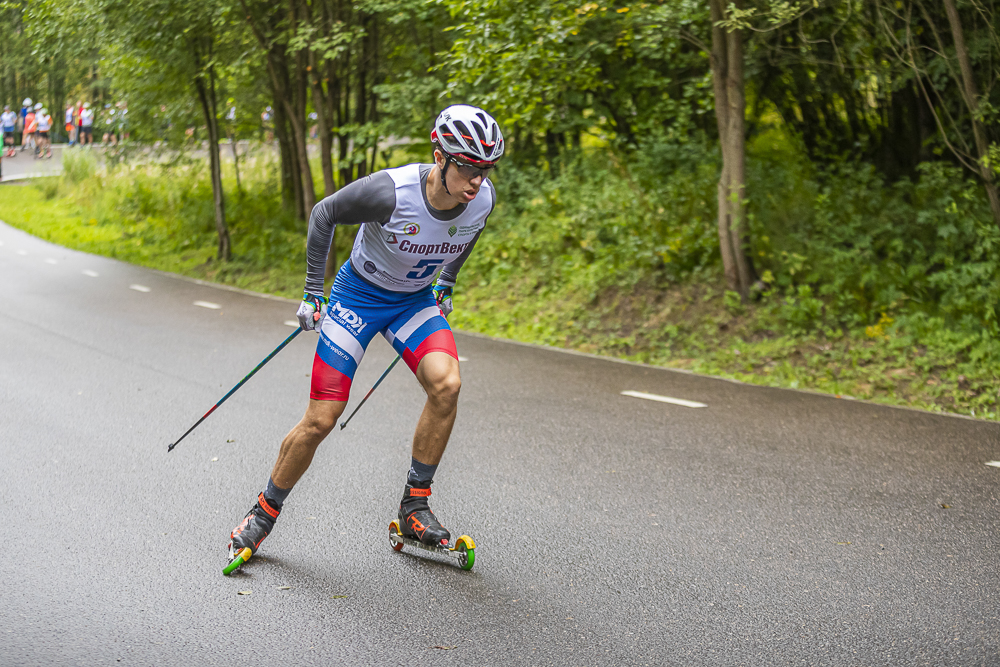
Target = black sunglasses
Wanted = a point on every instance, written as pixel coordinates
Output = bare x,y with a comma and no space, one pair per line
471,171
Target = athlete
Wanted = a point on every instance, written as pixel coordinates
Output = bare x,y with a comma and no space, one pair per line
30,127
415,221
70,125
87,125
44,121
26,110
8,120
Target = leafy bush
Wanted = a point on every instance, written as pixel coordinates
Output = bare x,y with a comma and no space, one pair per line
78,165
866,247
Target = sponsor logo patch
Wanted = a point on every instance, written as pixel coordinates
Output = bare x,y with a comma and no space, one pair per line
411,229
370,268
348,317
432,248
452,230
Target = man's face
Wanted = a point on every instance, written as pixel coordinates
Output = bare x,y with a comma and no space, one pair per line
463,177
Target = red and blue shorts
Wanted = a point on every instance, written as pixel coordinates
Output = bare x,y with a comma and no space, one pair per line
411,322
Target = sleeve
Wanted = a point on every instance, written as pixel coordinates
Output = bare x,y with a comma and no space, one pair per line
449,274
371,199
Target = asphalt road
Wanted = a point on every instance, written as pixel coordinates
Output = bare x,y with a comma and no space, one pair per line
24,165
769,528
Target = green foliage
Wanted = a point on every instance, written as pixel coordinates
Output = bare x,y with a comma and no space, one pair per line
162,216
622,260
78,165
865,247
615,70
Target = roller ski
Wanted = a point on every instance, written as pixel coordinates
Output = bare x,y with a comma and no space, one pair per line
247,537
417,527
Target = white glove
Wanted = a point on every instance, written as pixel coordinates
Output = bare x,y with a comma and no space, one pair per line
311,312
442,295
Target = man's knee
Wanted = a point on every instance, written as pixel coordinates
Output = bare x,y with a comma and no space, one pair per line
320,418
444,387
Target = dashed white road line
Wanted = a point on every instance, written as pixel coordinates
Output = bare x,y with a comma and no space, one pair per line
208,304
664,399
291,323
51,261
139,288
92,274
461,358
22,253
995,464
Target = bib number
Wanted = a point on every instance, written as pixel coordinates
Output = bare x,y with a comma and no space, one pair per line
425,268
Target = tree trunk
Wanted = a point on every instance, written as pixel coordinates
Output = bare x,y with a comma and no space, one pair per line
206,96
730,111
325,140
971,95
277,70
360,99
291,192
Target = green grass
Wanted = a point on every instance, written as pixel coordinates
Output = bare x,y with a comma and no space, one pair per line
916,363
597,261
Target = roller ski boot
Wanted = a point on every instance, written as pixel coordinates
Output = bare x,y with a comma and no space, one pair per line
416,526
246,537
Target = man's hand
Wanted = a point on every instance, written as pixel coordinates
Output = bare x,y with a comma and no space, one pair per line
442,295
311,312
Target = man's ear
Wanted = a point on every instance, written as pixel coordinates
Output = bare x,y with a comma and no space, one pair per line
439,158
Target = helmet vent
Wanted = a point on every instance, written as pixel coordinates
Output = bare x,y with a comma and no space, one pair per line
465,135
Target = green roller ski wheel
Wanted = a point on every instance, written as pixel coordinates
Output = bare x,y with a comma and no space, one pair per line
237,562
469,555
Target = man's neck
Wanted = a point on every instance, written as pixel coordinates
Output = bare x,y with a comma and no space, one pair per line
436,194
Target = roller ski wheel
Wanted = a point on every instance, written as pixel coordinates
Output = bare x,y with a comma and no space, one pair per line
237,560
463,551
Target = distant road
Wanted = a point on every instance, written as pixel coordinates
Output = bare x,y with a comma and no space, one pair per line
24,165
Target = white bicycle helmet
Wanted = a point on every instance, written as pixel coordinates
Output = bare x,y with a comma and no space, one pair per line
38,106
470,132
26,102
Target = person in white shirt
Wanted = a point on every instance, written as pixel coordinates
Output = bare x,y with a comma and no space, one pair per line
70,126
8,121
87,125
44,121
418,225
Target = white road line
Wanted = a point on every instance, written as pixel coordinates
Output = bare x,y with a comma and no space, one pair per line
208,304
139,288
51,261
995,464
291,323
463,358
92,274
22,252
664,399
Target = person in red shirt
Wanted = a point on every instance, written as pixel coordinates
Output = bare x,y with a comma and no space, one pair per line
30,126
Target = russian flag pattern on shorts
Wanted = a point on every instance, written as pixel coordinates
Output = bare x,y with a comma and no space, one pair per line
411,322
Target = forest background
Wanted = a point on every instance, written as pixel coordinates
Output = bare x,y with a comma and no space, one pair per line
785,193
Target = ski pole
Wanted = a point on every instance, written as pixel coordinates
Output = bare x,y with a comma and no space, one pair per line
240,384
370,391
